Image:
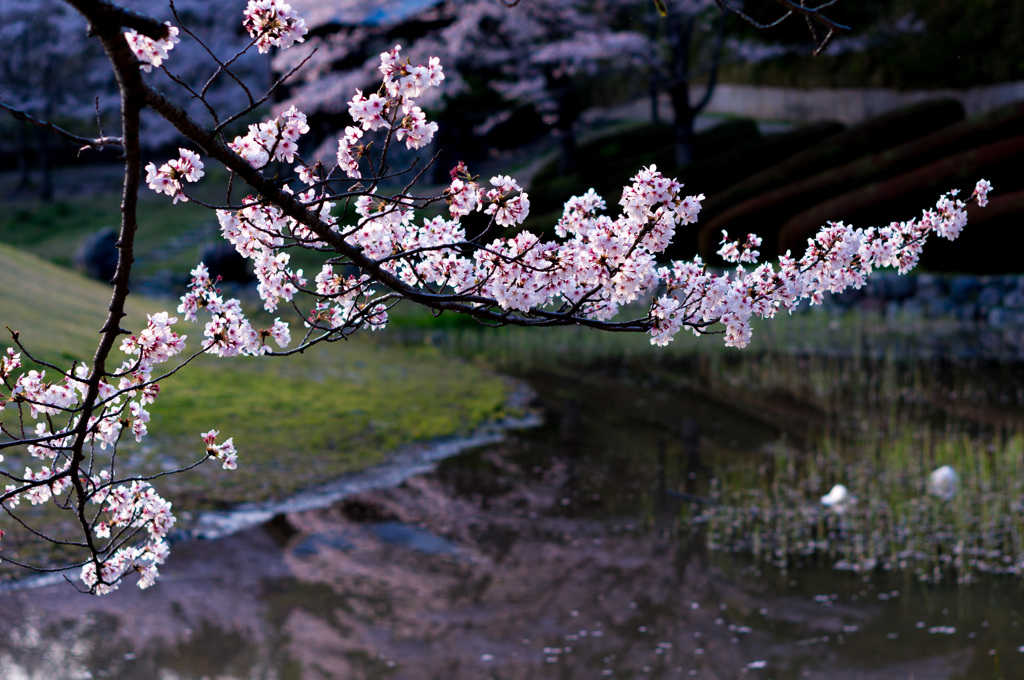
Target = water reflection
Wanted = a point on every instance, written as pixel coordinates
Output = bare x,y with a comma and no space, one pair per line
559,554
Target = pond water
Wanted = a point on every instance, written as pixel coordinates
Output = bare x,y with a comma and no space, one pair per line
580,549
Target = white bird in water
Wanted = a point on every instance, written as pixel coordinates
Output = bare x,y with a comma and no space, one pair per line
943,482
838,499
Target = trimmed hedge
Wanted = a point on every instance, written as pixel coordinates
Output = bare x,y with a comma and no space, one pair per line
779,205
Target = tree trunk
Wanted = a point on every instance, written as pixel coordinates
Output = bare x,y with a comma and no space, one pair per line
24,165
679,95
653,91
46,187
652,86
570,106
684,137
567,152
681,27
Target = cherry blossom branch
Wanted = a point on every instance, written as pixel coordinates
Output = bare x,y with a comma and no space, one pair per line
195,95
130,83
106,17
222,67
16,339
597,265
266,96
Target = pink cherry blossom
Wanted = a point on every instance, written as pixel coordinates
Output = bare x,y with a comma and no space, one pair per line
224,451
273,23
981,192
152,52
167,179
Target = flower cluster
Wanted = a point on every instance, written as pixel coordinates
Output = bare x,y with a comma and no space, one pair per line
838,257
143,560
981,190
10,362
167,179
600,263
224,452
404,81
151,52
344,303
134,506
43,398
415,129
118,407
273,23
403,84
733,252
43,484
463,196
228,333
258,231
155,344
507,209
126,508
350,151
275,139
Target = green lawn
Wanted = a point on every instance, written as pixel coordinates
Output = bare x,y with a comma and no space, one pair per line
297,421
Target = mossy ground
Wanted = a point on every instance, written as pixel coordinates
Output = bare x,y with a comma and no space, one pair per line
306,419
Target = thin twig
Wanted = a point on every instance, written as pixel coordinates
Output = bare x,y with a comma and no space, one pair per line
94,143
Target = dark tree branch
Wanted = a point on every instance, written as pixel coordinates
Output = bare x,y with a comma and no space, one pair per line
106,22
94,143
474,305
107,18
812,15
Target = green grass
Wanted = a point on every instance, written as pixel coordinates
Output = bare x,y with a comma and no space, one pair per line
303,420
54,230
57,312
297,421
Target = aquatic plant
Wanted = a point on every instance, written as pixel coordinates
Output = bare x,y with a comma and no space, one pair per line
899,522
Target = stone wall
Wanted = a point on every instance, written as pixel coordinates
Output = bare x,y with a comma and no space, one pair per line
996,301
953,317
